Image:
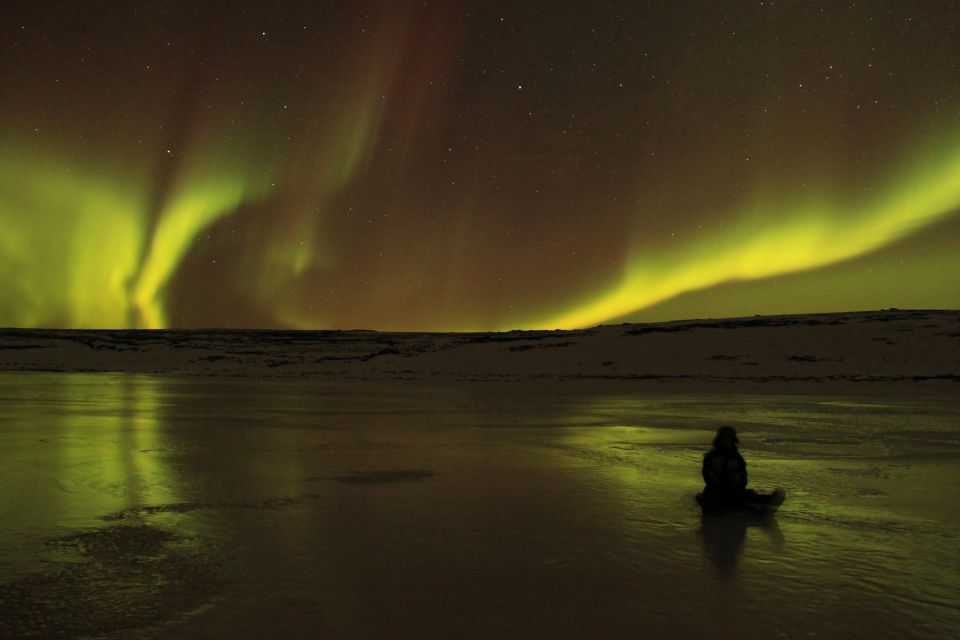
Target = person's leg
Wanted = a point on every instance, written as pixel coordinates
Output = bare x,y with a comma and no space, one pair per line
752,497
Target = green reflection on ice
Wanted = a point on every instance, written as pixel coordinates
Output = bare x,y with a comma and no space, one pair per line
99,444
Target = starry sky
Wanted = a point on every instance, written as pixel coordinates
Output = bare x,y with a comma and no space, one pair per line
460,166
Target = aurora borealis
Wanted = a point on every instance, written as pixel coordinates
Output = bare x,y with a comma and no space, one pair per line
474,165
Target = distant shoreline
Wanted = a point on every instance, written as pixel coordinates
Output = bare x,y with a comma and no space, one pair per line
898,352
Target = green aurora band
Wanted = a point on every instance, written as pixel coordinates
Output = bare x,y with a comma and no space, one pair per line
90,247
771,239
79,250
409,187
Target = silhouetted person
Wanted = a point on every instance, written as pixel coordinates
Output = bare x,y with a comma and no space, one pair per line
725,475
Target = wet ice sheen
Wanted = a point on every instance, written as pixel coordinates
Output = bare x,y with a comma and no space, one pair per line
143,507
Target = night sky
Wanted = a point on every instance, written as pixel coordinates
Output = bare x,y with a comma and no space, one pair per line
474,165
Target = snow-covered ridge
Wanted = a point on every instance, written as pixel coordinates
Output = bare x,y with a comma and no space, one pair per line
889,351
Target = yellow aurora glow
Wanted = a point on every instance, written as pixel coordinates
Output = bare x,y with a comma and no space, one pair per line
407,169
773,239
65,235
87,246
78,249
83,255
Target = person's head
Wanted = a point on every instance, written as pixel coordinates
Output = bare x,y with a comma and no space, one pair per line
726,439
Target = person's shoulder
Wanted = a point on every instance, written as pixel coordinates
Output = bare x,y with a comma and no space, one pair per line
712,453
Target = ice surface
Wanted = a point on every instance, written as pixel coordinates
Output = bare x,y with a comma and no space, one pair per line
156,507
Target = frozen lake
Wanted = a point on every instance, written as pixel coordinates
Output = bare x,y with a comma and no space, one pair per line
147,507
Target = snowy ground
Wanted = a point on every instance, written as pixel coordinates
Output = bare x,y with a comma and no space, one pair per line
883,352
145,506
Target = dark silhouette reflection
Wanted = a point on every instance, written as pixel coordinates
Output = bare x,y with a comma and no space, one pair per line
723,535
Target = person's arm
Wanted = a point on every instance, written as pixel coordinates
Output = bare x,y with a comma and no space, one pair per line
742,480
709,472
